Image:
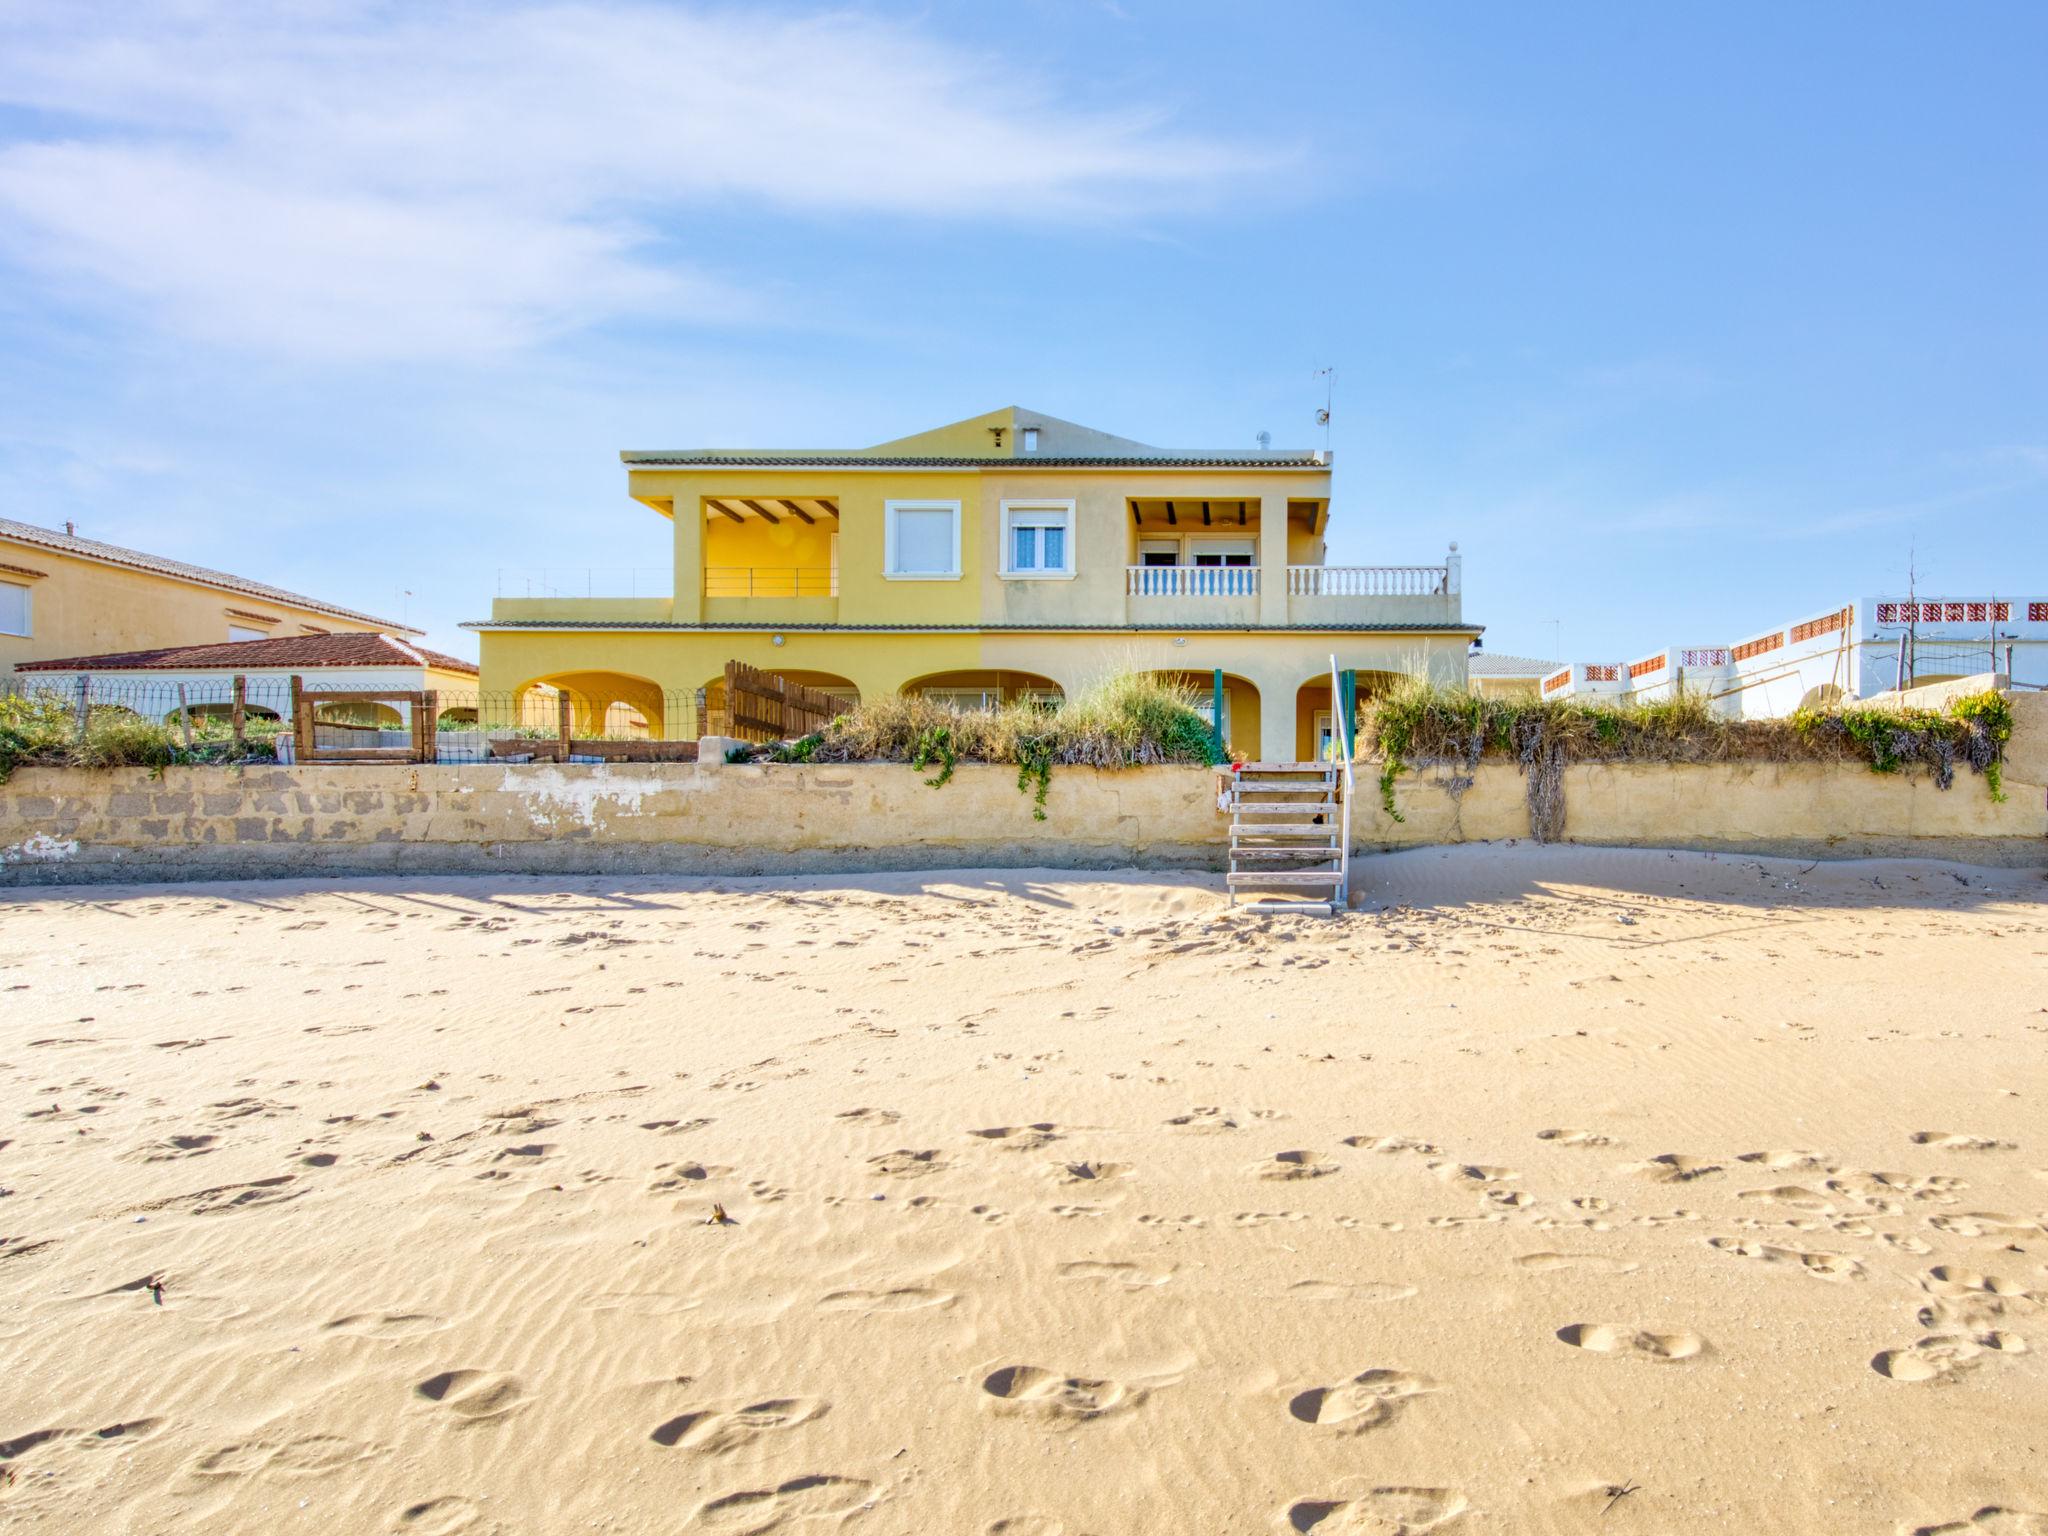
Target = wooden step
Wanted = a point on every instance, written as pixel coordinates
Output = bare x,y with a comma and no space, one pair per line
1285,787
1288,877
1286,805
1323,907
1289,768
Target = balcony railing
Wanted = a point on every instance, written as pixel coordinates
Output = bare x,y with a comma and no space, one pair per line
1191,580
770,581
1368,580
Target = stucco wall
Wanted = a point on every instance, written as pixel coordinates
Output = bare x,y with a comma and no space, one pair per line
59,825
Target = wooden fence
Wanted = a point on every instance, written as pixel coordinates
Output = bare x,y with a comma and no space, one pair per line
425,706
762,706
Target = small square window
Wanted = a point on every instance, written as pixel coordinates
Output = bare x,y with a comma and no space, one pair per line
921,540
13,608
1038,539
244,632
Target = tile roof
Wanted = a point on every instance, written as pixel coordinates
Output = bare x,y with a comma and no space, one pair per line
833,459
1499,664
134,559
307,651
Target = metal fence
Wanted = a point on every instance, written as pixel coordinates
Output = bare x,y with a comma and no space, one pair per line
469,727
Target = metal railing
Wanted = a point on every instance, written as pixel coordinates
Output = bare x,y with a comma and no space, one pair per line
1191,580
587,581
198,719
1368,580
770,581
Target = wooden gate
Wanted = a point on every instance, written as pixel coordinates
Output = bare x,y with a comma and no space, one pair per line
763,706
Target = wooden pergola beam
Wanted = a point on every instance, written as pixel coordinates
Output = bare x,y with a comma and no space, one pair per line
796,511
767,516
1205,514
727,511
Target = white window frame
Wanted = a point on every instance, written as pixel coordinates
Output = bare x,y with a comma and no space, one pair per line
242,633
28,610
889,511
1010,509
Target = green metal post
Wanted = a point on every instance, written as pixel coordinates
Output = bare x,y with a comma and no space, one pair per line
1216,716
1347,687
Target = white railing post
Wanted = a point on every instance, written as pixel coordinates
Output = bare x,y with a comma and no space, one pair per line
1454,571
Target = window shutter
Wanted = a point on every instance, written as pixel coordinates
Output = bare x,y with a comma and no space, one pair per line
924,541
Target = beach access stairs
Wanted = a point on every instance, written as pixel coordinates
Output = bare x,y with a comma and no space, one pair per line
1290,833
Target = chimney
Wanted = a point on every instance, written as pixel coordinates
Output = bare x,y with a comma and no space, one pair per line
70,530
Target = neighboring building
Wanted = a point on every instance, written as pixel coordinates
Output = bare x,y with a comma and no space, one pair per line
1855,651
148,681
1010,555
62,595
1497,676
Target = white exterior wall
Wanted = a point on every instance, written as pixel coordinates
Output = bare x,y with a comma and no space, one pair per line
1847,652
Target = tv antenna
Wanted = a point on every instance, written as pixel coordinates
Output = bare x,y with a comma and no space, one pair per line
1329,378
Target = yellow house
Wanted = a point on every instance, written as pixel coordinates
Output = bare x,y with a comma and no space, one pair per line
1008,555
62,595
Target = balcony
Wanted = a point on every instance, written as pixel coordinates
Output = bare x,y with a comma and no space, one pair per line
1192,594
622,594
1373,594
757,593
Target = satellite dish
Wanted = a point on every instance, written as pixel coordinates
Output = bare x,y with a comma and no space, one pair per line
1322,418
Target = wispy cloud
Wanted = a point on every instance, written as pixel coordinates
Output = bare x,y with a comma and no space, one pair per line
358,180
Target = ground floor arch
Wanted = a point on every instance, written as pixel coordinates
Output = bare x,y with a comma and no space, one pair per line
1313,730
616,704
1826,696
1241,707
984,688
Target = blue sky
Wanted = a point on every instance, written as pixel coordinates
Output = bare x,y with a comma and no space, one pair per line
1681,322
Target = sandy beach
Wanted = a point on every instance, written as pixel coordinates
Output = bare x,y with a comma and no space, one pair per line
1552,1191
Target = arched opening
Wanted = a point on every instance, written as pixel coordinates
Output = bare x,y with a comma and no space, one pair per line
223,714
614,705
1240,707
984,689
1826,696
460,718
841,689
1313,730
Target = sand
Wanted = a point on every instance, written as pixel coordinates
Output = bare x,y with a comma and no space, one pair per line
1553,1191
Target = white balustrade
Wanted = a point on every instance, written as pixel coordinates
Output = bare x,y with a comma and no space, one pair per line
1191,580
1368,580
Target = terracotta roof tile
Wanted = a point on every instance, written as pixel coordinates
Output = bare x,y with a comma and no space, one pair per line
308,651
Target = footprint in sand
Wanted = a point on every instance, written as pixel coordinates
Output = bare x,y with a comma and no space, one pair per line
1384,1511
386,1325
1995,1225
443,1516
307,1456
1020,1138
1956,1141
1366,1401
1789,1158
903,1298
1090,1172
1472,1173
1131,1277
193,1144
475,1397
1025,1525
1289,1166
673,1127
1055,1398
1394,1144
715,1431
759,1510
1882,1191
1595,1263
865,1116
1566,1137
1349,1290
1953,1280
1635,1343
1991,1520
1943,1356
905,1164
669,1178
1797,1196
1677,1168
1824,1266
1261,1218
1205,1119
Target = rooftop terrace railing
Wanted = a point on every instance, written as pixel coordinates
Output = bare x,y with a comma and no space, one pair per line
586,581
1368,580
770,581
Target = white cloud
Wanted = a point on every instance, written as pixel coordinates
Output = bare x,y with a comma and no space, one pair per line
356,180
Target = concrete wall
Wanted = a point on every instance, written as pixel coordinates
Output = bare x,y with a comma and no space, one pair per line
62,825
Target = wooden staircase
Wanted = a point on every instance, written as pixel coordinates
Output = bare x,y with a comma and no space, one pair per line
1290,832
